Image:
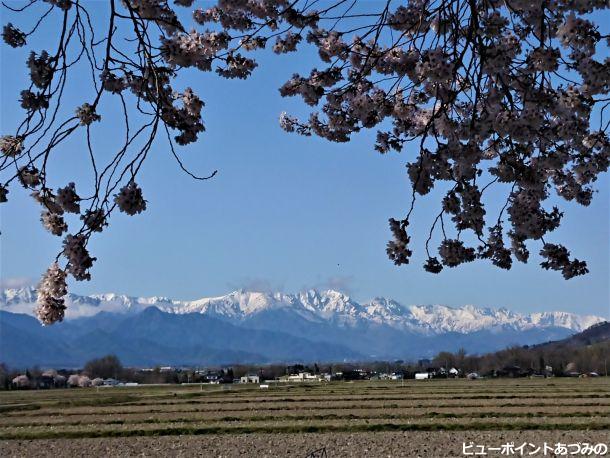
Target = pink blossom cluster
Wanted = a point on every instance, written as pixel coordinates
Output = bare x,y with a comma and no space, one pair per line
51,291
492,92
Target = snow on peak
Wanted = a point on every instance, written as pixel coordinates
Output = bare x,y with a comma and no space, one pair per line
16,295
333,307
563,320
233,305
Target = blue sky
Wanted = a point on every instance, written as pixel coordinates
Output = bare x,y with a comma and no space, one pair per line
284,212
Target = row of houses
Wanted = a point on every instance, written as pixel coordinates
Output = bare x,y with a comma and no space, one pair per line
506,371
349,375
52,379
301,377
305,377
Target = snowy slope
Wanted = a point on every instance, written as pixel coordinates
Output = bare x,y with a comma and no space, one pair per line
330,307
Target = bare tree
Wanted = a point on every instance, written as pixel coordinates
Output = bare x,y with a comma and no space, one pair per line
509,93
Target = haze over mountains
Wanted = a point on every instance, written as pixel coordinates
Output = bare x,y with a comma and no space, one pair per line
258,327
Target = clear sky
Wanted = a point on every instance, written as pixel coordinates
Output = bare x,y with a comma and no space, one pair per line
284,212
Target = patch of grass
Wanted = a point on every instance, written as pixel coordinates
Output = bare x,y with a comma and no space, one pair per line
321,417
382,406
18,407
296,407
290,429
69,402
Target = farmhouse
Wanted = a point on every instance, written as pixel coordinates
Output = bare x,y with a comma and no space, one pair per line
352,374
250,378
212,377
306,377
301,377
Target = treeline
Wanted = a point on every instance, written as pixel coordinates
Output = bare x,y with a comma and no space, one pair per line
557,359
562,359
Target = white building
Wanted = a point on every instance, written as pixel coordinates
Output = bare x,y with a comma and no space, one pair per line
250,378
422,376
302,377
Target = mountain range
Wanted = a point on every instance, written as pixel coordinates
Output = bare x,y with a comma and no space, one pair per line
259,327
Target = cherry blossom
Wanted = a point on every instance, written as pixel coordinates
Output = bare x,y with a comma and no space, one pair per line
51,291
477,94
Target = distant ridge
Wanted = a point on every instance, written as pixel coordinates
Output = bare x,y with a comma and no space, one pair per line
258,327
599,332
331,307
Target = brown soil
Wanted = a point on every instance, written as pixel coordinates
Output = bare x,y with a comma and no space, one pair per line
383,444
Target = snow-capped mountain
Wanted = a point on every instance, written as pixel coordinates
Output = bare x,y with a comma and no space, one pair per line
250,327
319,307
